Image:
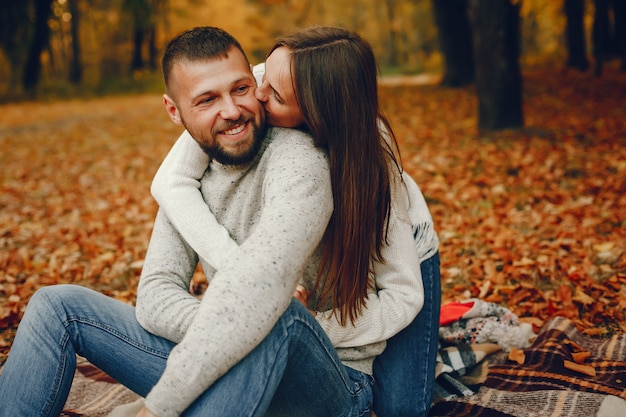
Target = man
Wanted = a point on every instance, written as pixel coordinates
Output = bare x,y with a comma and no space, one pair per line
273,195
239,348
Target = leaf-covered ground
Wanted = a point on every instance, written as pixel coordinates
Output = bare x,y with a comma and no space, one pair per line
532,219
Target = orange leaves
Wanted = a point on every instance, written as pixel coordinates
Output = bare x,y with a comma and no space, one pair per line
533,219
579,356
517,355
75,204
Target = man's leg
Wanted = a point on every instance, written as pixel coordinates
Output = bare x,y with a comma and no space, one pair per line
65,320
405,371
295,371
294,368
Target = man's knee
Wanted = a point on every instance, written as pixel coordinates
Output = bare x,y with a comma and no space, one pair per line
47,300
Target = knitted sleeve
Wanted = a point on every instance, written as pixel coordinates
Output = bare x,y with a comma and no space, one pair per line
397,301
251,291
400,293
176,187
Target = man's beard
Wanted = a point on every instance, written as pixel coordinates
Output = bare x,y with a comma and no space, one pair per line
217,152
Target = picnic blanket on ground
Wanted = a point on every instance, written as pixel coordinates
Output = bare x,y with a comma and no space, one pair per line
94,393
563,373
555,378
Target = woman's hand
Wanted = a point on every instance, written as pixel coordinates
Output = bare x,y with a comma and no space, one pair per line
302,295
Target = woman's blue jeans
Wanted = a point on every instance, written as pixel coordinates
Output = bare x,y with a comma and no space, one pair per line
404,373
294,371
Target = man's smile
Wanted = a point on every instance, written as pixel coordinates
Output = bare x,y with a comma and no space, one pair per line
235,130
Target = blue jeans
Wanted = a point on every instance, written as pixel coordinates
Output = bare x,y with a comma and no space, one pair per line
404,373
294,371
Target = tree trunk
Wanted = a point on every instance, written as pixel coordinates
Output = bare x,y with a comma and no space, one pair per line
575,35
455,41
601,35
41,37
14,32
152,48
619,14
394,60
498,78
138,36
141,13
76,67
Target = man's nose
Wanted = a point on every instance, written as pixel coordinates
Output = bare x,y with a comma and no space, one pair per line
230,110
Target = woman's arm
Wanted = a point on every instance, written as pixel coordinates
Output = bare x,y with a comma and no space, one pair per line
398,298
176,187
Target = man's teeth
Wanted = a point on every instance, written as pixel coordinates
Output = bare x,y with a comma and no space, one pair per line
234,130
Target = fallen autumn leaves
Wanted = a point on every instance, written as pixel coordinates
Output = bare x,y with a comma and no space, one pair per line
534,220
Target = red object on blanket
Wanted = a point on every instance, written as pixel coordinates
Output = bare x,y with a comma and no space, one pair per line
453,311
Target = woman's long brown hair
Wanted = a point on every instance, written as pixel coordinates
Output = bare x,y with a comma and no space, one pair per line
334,76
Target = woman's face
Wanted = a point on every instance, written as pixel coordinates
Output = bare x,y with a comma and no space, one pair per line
277,93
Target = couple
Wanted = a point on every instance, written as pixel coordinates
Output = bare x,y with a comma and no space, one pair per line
323,212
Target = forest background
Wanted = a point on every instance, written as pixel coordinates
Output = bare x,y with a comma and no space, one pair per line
530,209
78,47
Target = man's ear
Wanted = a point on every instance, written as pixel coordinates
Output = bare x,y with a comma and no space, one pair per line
172,110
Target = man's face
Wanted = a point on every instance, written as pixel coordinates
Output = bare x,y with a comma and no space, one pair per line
215,102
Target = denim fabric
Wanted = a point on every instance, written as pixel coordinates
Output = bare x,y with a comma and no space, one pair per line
294,371
404,373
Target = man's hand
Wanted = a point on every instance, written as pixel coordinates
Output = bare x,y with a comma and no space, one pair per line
144,412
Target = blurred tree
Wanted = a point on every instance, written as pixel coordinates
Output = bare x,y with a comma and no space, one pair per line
455,41
619,16
394,59
144,14
159,8
76,67
495,27
601,35
575,34
140,13
39,41
14,32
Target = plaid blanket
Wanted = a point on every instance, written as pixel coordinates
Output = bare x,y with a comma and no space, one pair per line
94,393
563,373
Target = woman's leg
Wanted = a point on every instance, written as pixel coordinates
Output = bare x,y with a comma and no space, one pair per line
295,371
405,371
65,320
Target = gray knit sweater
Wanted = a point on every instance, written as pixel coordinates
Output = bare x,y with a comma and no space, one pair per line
259,238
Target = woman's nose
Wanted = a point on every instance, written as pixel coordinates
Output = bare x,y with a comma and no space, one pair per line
261,92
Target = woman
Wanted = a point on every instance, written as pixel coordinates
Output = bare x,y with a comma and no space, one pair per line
324,80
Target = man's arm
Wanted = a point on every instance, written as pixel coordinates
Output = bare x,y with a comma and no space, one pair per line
165,306
249,293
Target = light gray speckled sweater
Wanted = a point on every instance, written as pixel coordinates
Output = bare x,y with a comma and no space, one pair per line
393,305
276,209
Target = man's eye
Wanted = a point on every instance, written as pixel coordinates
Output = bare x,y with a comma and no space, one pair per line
243,89
208,100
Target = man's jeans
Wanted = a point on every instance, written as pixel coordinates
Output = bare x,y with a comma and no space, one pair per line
294,371
404,373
